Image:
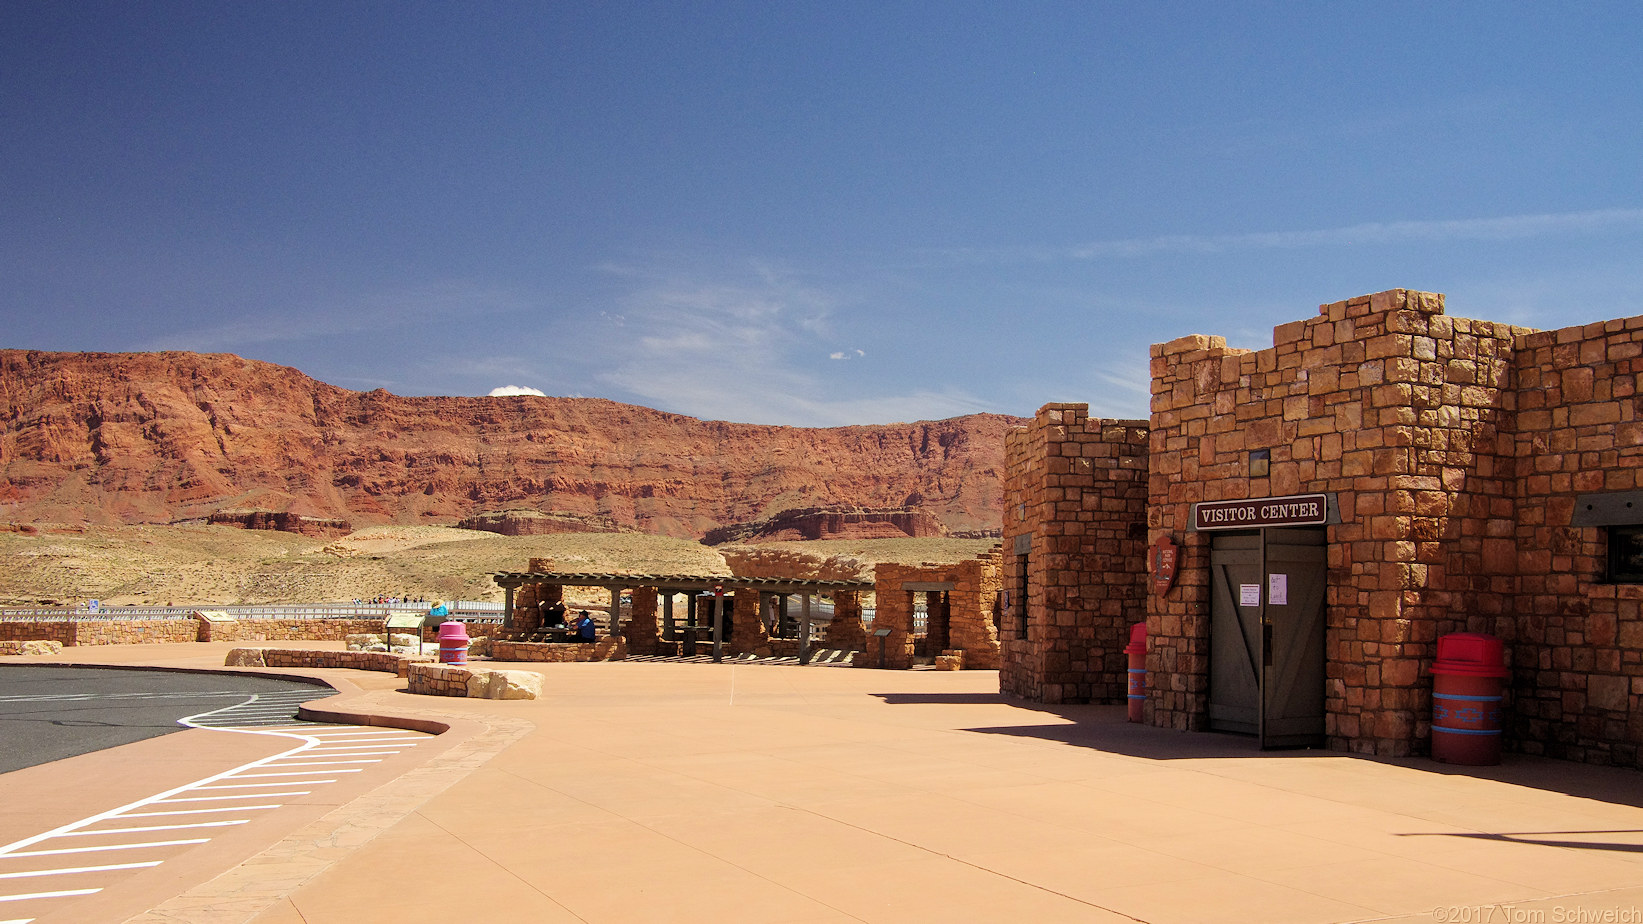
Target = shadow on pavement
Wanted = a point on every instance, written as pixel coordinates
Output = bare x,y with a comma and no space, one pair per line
1105,728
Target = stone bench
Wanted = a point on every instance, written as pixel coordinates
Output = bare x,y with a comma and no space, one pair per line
304,657
474,682
32,647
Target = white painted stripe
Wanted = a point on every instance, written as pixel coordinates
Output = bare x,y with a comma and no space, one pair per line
71,870
140,829
18,921
332,740
369,731
373,745
359,731
360,751
279,712
344,747
266,785
234,808
253,776
62,850
62,894
253,717
332,763
249,795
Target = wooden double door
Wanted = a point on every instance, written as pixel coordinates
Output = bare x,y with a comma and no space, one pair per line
1267,635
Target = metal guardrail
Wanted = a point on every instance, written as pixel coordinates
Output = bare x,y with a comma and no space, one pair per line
461,610
68,615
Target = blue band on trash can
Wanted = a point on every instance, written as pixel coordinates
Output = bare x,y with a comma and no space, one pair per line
1466,731
1470,699
1138,670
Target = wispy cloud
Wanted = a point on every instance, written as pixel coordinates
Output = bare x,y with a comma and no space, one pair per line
748,345
1509,227
509,391
1118,387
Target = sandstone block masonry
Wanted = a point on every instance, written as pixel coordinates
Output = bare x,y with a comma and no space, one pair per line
31,648
604,649
1073,572
96,631
473,682
961,602
220,629
204,627
307,657
1456,450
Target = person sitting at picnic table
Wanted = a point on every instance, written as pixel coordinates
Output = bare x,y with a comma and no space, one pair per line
583,626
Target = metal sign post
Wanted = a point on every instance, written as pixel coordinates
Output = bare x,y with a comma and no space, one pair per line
882,635
718,622
804,630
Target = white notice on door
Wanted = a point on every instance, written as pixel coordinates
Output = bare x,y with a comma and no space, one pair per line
1277,589
1249,595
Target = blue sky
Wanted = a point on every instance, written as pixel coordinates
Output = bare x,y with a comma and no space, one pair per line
813,214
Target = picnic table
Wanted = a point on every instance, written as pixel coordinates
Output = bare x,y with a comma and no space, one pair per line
552,635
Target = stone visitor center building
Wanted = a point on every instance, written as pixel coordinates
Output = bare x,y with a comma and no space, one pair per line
1382,476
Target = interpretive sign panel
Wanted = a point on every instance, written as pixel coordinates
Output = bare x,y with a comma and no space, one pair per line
1297,510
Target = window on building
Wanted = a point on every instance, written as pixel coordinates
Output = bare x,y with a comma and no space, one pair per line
1019,604
1626,554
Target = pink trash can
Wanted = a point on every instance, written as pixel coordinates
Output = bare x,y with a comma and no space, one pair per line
1467,685
453,643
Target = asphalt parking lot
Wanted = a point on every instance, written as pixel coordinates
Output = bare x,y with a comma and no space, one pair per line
48,713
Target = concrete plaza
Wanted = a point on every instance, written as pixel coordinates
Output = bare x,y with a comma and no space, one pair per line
667,791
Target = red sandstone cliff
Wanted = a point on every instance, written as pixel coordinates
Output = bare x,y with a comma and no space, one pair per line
160,437
830,523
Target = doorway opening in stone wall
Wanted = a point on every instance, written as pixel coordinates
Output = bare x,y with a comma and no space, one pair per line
931,619
1267,634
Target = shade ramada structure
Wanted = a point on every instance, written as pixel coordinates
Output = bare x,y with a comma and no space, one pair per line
646,630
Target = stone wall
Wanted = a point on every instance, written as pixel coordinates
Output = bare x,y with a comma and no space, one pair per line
1398,410
643,630
1576,642
531,599
846,630
105,631
437,680
272,630
793,564
20,630
472,681
1455,450
604,649
307,657
967,625
135,631
1075,496
91,631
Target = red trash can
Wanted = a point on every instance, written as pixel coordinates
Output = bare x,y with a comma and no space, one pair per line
1137,651
1467,682
453,643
